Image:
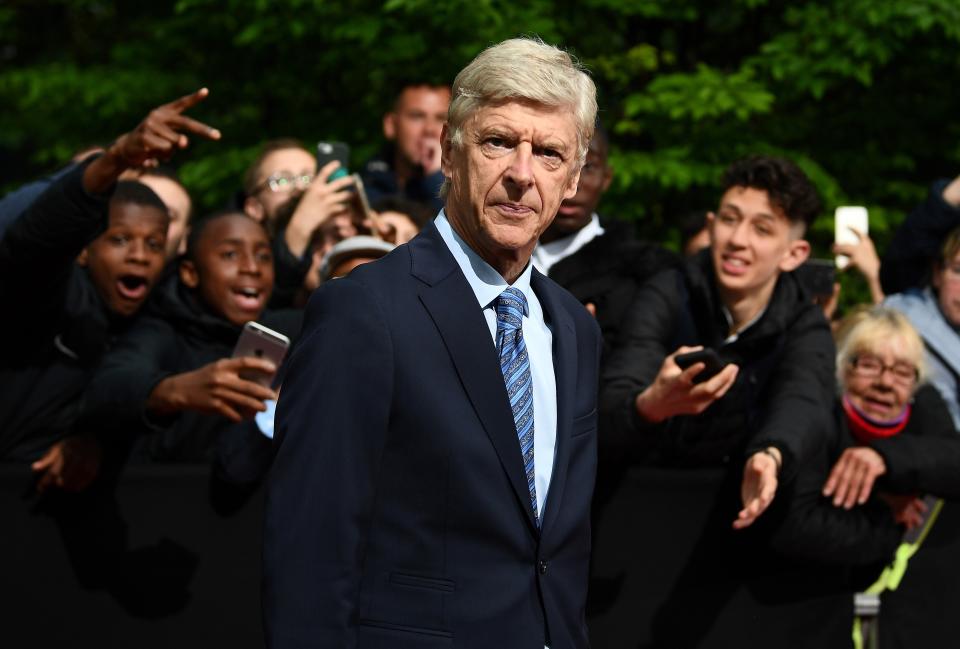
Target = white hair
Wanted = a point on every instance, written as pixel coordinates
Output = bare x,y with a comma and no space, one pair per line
525,69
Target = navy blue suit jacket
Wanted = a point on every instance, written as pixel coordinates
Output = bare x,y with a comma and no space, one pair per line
398,514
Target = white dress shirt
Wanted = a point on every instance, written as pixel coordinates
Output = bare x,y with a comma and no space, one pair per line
487,285
545,255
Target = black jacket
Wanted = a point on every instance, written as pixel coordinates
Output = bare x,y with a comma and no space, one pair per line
781,394
608,271
924,458
380,181
55,326
177,334
916,243
289,272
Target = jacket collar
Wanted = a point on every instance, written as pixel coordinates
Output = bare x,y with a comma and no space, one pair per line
459,318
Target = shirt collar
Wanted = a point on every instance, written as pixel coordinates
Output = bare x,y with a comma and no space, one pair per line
486,282
736,335
571,243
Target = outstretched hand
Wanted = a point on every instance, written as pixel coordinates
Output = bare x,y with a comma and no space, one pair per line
673,391
853,476
759,486
162,132
216,388
70,464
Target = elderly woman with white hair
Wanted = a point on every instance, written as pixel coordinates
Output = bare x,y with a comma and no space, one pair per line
849,510
887,408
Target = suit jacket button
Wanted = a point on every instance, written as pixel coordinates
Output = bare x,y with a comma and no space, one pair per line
542,567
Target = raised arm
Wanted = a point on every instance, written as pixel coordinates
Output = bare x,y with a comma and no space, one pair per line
916,243
44,243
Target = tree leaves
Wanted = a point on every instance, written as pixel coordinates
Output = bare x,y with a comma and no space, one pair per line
858,91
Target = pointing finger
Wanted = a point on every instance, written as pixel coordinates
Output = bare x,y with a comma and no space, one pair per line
184,123
188,101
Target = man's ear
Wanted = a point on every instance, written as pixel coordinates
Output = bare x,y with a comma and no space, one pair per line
797,253
83,258
253,208
571,189
188,274
390,125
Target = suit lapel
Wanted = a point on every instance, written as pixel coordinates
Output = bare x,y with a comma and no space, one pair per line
459,318
565,372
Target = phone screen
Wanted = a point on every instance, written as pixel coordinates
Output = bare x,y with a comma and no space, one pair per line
328,152
848,219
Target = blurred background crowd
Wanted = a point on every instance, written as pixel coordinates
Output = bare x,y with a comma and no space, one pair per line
139,235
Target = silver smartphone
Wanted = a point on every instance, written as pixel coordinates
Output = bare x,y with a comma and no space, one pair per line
261,342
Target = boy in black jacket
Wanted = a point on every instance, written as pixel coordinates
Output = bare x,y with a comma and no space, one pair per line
769,402
77,267
759,418
170,379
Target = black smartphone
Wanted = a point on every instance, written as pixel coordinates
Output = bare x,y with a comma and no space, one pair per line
330,151
710,359
817,276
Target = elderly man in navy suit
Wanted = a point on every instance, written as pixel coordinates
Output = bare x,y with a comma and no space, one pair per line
437,428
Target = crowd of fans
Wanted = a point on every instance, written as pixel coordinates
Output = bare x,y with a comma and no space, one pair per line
838,436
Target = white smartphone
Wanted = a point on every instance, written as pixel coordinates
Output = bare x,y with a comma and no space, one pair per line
261,342
846,219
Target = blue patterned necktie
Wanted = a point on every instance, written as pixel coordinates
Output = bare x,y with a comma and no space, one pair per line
515,365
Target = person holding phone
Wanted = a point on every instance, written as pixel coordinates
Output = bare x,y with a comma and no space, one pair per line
78,267
737,298
760,416
170,385
286,191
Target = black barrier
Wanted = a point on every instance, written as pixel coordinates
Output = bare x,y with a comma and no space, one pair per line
159,566
154,567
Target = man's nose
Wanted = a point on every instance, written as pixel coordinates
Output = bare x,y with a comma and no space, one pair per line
520,170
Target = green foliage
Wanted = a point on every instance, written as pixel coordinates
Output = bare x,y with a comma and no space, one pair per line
857,91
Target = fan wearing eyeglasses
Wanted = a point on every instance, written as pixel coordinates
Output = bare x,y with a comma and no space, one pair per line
293,199
886,405
846,515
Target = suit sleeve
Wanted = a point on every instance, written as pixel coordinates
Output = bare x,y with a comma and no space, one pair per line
332,422
798,404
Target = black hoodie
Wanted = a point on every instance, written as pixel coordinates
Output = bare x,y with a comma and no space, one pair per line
55,326
782,395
